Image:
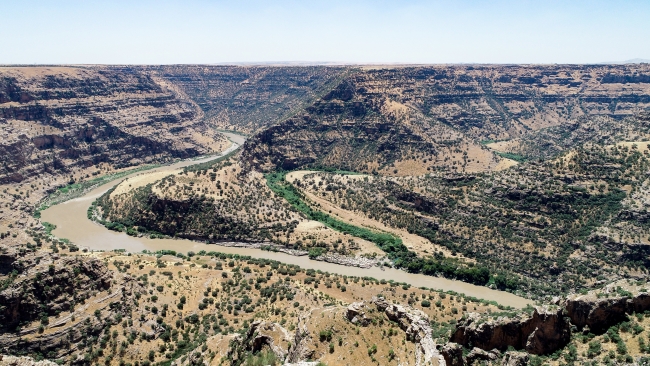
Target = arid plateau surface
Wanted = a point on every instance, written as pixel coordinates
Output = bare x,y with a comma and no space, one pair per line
325,215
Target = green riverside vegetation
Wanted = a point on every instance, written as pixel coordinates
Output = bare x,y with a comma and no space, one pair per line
392,245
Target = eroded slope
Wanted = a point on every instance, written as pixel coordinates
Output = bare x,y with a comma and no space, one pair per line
60,120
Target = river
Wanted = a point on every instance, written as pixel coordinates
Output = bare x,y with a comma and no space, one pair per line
72,223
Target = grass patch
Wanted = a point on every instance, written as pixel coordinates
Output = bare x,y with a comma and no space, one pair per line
516,157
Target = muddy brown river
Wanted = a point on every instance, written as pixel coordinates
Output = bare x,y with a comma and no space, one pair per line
72,223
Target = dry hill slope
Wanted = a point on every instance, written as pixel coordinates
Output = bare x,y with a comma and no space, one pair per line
408,118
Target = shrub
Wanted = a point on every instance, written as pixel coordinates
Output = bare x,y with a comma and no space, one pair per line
325,335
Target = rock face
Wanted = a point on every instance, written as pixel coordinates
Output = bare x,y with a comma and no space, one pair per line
248,98
453,354
512,358
479,356
302,346
54,120
548,328
600,312
51,288
271,335
543,332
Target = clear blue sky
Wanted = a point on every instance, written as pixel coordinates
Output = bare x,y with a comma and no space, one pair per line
408,31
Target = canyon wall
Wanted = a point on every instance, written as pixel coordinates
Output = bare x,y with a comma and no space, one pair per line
58,119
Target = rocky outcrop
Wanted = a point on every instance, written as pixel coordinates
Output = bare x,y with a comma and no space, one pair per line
271,335
260,335
23,361
414,322
513,358
344,260
356,314
542,332
302,347
453,354
548,328
478,356
601,309
50,288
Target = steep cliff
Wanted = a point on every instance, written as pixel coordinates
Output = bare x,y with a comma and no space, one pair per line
544,331
249,98
56,120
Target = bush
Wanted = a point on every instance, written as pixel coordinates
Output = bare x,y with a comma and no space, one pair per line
325,335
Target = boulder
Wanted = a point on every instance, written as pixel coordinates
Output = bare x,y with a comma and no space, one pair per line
478,356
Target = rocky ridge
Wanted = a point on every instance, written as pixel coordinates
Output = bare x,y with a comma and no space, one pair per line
542,332
547,328
426,115
414,322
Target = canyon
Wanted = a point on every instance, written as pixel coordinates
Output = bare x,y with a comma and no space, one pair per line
135,230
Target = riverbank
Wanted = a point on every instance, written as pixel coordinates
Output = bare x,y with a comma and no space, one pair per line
72,223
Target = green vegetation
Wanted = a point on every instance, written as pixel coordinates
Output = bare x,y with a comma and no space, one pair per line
387,242
516,157
392,245
211,163
551,208
75,190
262,358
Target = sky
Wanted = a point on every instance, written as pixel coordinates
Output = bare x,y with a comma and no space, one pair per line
352,31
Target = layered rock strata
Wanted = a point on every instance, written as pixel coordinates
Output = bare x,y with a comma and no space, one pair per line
60,119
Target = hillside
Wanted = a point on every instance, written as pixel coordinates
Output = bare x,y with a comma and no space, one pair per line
560,225
223,309
531,179
414,119
574,222
218,202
